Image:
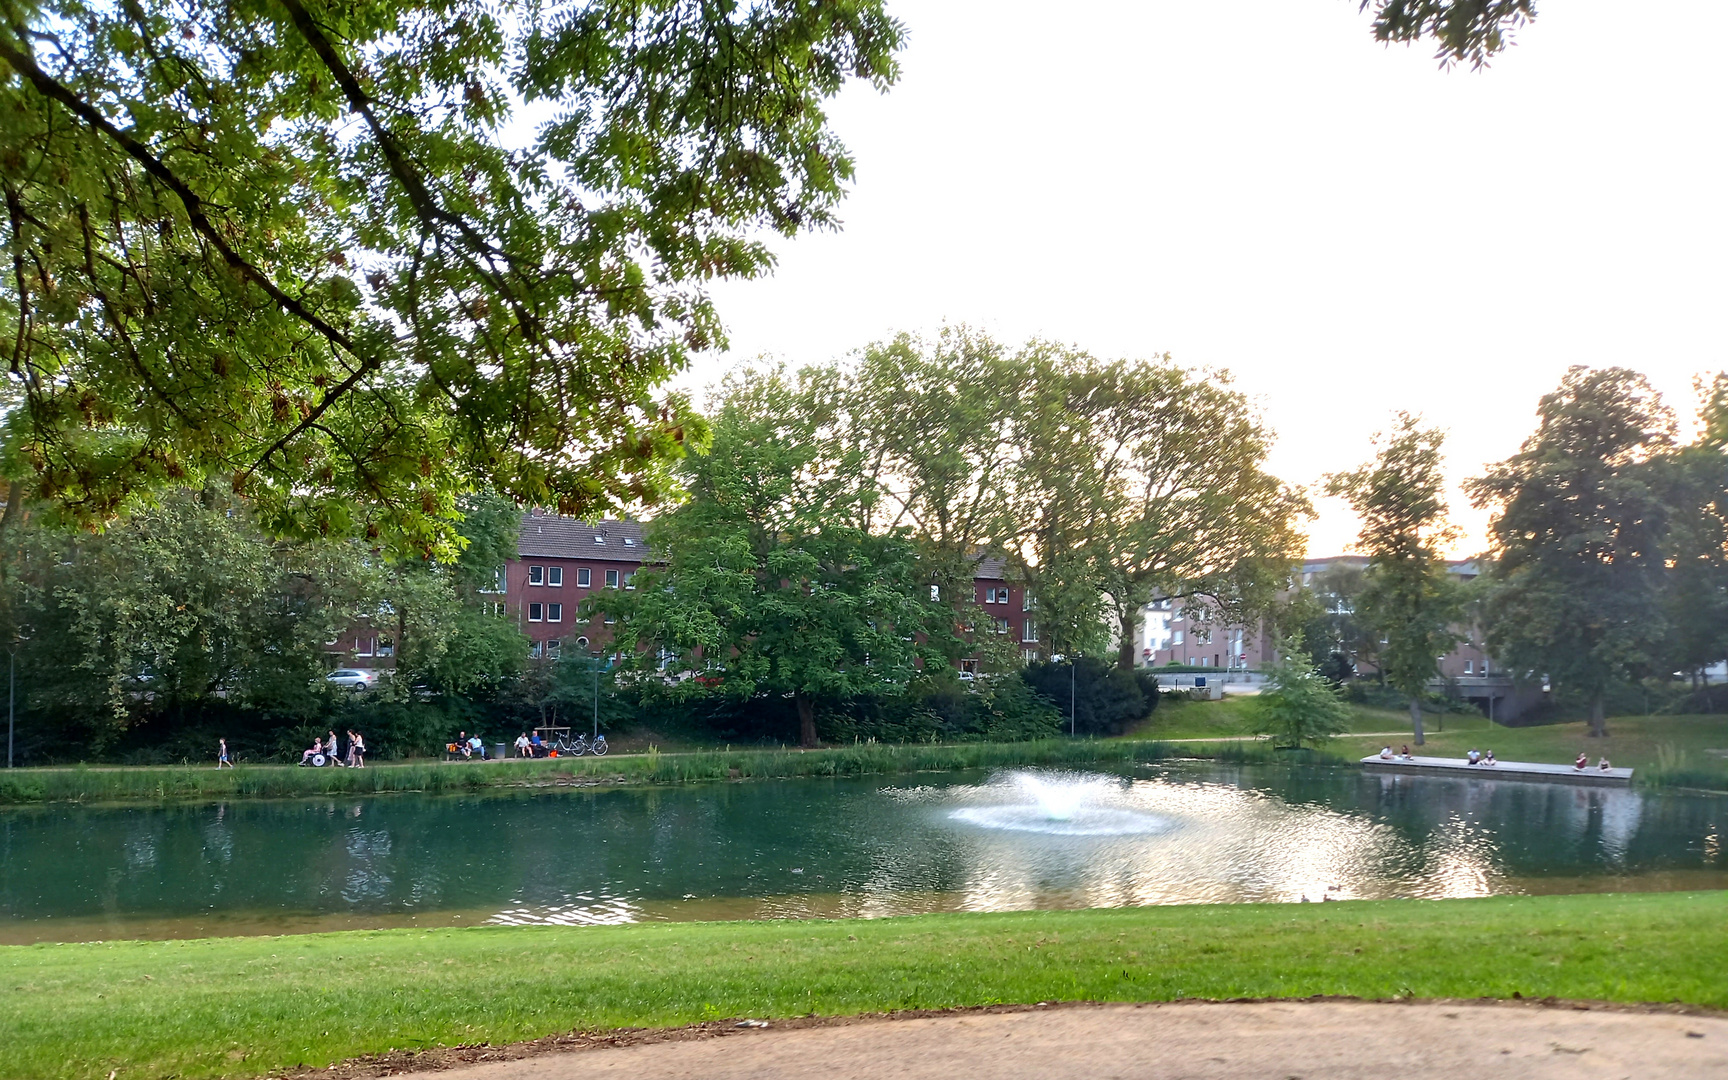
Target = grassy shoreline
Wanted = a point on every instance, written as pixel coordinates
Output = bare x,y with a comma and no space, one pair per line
1689,752
166,783
245,1007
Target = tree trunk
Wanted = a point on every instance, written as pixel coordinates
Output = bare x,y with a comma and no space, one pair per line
1598,718
806,720
1125,646
1416,718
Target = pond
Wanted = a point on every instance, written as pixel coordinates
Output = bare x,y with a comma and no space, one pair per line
1166,834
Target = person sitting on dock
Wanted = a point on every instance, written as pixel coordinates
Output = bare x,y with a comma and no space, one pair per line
1473,756
1603,765
1385,753
1404,752
1488,758
1582,762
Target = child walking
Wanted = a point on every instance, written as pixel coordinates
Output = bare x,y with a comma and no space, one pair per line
222,754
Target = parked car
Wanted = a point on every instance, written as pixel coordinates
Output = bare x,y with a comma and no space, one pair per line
353,678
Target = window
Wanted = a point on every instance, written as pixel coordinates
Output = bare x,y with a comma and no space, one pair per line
1176,637
1030,655
1469,667
386,646
1029,631
363,646
583,575
536,575
1026,601
630,580
553,647
629,541
610,618
598,539
969,668
495,608
535,650
497,584
536,612
935,593
611,579
554,612
1000,626
555,576
582,643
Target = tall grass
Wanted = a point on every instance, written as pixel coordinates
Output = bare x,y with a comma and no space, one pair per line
166,783
1676,768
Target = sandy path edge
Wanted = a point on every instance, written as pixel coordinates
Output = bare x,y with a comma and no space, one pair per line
441,1059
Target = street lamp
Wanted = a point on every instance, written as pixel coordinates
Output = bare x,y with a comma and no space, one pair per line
1059,658
18,638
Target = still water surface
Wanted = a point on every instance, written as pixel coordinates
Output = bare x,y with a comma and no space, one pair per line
870,846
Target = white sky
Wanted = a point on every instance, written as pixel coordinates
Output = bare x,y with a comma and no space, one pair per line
1259,186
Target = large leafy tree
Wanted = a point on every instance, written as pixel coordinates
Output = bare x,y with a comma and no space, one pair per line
1695,592
357,258
1145,480
1407,596
1577,537
772,586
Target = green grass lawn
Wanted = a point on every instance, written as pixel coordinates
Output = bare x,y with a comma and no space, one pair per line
243,1007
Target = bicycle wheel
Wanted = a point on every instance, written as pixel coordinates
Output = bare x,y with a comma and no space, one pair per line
599,748
578,746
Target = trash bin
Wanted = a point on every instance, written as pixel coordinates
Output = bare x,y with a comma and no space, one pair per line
500,751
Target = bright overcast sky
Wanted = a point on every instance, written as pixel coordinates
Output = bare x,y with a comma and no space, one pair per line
1260,187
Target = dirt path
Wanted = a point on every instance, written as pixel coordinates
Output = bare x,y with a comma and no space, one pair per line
1334,1040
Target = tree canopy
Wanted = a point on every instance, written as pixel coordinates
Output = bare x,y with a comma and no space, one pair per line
1466,31
1578,537
354,259
1407,597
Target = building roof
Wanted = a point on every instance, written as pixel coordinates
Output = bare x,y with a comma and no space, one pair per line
991,568
549,536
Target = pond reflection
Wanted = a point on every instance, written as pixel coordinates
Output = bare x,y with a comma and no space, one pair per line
1194,833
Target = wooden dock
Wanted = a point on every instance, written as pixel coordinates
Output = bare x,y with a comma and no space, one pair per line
1528,771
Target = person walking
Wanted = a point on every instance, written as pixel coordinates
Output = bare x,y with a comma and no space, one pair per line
357,749
222,754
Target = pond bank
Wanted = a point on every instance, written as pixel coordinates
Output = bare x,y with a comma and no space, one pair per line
169,783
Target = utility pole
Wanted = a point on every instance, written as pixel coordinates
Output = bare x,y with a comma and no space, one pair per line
11,699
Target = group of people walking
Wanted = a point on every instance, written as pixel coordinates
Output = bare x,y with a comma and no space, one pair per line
354,757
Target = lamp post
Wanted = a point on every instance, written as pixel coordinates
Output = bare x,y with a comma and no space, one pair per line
11,698
1060,658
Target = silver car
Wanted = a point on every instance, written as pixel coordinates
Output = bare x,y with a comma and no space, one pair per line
352,678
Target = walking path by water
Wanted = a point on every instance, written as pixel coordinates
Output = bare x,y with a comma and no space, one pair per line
1339,1040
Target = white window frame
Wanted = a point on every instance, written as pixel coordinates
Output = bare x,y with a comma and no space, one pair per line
611,579
1176,637
534,650
630,580
584,577
554,647
363,646
536,575
554,612
1029,632
500,581
555,577
536,612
